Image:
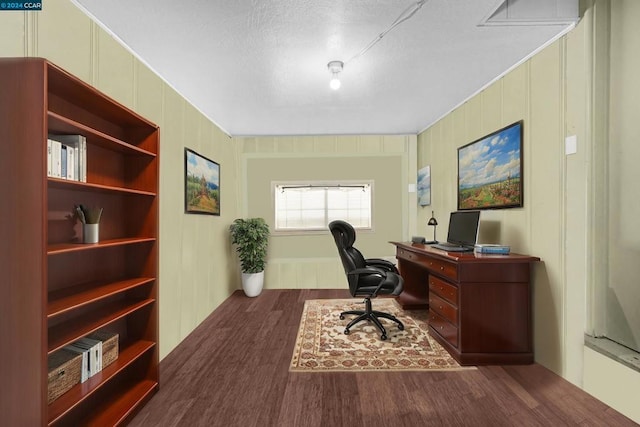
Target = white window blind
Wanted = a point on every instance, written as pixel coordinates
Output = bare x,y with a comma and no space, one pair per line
314,206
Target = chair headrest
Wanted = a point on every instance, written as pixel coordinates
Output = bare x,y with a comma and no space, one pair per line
343,233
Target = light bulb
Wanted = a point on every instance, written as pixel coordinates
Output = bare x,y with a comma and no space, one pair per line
335,67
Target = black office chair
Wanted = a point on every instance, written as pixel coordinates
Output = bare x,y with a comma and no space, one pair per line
367,278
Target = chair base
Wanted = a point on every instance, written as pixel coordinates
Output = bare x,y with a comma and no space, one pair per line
373,316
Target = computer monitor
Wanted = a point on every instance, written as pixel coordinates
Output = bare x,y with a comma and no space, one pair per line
463,228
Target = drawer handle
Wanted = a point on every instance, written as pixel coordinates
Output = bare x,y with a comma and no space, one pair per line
440,307
441,268
441,328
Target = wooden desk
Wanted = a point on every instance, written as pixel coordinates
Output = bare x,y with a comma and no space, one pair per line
479,304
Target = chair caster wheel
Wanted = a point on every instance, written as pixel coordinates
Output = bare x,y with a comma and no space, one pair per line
346,332
383,337
341,317
401,327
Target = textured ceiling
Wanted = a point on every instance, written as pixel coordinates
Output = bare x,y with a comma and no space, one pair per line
259,67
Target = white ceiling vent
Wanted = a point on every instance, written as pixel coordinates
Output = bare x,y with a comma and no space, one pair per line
533,12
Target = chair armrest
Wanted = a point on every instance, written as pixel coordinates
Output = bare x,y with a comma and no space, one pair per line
381,263
368,271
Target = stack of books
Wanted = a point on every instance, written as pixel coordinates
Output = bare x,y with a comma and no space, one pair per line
67,157
491,248
91,351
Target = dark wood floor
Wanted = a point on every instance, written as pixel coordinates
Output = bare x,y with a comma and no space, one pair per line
233,371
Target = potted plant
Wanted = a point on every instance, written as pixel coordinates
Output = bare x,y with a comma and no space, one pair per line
251,237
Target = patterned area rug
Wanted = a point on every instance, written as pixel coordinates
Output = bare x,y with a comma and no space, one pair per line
321,344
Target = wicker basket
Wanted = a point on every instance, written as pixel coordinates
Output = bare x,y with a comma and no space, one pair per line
109,346
64,373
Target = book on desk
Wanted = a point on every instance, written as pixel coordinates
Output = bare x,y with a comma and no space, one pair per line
491,248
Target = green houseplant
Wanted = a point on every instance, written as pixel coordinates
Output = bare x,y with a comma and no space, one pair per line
251,237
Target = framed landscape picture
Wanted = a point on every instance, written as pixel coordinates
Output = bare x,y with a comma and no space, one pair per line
424,186
201,184
490,170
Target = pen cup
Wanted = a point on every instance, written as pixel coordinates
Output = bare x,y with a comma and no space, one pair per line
90,233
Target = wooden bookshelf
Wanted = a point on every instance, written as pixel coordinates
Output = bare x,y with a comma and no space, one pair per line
55,288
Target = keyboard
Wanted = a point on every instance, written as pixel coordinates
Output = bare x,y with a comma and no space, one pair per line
449,247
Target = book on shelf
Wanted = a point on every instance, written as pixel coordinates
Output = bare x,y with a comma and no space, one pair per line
95,353
71,164
76,170
63,161
54,151
49,158
91,351
491,248
75,156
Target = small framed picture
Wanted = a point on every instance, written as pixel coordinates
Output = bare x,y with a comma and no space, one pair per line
424,186
201,184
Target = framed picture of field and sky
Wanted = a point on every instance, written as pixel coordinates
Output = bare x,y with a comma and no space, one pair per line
490,170
201,184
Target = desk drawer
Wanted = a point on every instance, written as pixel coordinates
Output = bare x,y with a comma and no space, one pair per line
447,269
443,289
443,308
444,268
443,328
408,255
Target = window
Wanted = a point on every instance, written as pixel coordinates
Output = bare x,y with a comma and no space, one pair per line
311,206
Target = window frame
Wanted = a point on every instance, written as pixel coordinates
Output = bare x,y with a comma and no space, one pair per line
320,183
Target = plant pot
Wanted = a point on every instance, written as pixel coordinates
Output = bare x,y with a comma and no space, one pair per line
252,283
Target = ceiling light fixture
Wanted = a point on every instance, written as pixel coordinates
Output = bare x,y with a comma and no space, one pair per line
335,67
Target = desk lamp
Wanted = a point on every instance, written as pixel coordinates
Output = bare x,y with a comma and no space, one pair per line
433,222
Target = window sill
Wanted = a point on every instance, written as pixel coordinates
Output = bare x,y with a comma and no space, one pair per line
309,232
615,351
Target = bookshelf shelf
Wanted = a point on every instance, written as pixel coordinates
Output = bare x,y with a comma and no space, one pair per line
59,290
80,392
64,184
72,330
61,248
64,125
71,96
69,299
117,410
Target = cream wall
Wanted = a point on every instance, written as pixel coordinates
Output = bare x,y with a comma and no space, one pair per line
559,92
310,260
195,273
